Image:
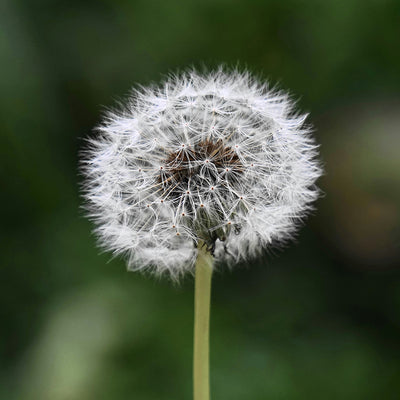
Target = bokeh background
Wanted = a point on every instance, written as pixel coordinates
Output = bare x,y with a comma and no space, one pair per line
320,319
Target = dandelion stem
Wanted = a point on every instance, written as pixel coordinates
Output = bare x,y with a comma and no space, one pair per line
204,266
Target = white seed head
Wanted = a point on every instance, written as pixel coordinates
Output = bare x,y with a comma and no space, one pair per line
218,157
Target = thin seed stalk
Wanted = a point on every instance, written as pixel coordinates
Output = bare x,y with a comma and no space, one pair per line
202,295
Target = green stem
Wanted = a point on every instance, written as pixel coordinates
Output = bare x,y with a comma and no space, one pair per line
204,265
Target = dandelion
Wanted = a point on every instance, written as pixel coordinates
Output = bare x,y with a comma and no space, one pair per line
210,168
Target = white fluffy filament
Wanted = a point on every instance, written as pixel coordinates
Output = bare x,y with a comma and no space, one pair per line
218,157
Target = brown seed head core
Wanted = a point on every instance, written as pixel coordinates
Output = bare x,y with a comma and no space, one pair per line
201,164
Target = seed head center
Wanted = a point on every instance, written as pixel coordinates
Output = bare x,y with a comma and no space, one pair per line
205,164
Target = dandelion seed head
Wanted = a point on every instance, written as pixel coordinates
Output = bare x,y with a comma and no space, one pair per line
218,157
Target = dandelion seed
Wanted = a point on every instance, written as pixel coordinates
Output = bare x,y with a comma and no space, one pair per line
222,139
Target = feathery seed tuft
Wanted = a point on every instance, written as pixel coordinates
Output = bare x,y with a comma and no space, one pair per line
219,158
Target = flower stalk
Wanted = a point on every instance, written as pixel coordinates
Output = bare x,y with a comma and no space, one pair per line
204,267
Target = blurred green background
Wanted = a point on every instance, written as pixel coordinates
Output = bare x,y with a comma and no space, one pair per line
319,320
